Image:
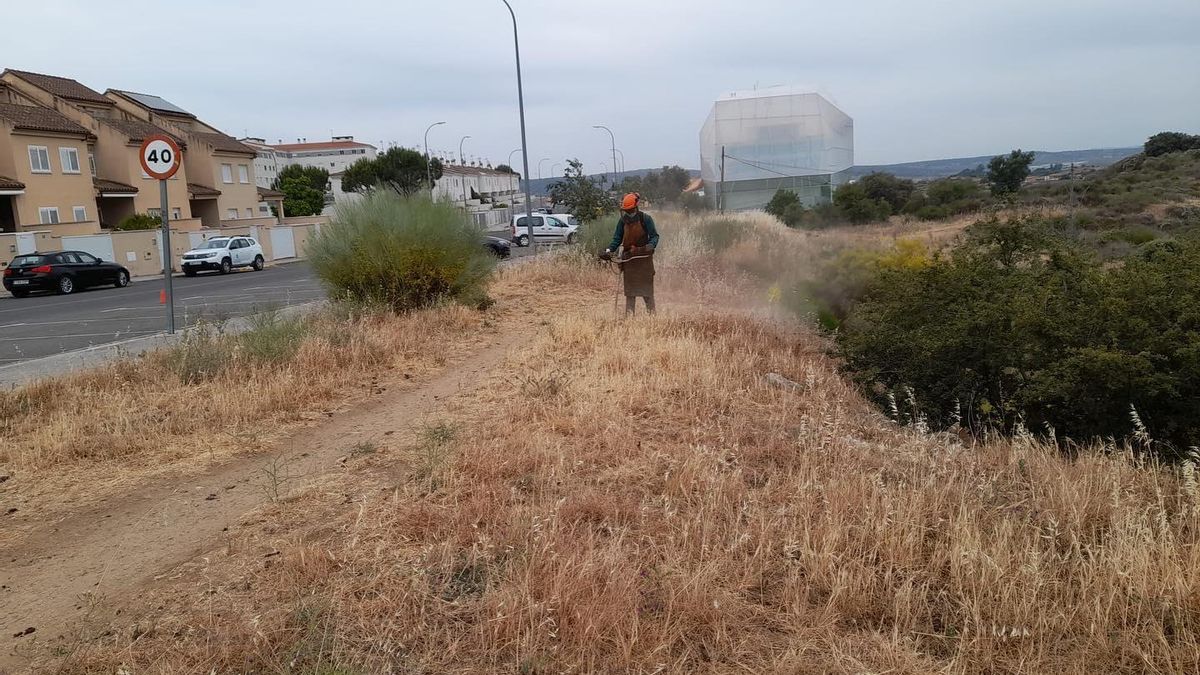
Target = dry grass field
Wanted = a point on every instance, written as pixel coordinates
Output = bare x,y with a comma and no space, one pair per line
613,496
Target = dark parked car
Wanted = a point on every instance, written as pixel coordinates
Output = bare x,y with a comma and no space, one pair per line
499,247
61,272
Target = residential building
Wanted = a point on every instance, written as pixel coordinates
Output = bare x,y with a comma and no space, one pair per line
113,164
44,178
266,162
333,156
220,170
482,191
757,142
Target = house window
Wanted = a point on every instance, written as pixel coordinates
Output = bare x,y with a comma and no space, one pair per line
227,173
48,215
80,213
243,174
231,214
249,212
69,159
92,163
264,209
176,214
39,159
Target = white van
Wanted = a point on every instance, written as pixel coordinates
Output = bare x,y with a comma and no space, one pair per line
546,228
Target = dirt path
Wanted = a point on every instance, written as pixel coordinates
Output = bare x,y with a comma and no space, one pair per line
98,557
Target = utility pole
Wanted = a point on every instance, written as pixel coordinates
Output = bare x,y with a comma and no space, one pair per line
721,189
524,145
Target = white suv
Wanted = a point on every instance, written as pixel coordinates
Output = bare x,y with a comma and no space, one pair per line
223,254
546,228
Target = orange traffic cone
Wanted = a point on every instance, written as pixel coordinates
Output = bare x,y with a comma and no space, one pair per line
162,297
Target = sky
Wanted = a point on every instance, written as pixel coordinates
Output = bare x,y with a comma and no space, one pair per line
922,79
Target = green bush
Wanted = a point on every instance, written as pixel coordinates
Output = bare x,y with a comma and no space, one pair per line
596,234
780,202
402,252
140,221
1170,141
718,234
884,186
1020,326
856,205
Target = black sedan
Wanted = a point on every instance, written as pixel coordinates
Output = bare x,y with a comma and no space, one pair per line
500,248
61,272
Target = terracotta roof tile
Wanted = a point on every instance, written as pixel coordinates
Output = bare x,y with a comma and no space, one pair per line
202,191
62,86
224,143
268,193
112,186
37,118
7,183
138,130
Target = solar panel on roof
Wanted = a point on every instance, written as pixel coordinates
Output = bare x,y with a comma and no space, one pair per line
157,103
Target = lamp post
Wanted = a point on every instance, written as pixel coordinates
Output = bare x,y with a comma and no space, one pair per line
524,144
613,138
510,156
460,154
544,159
554,169
622,161
429,160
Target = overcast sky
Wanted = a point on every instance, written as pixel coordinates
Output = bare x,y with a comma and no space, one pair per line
922,79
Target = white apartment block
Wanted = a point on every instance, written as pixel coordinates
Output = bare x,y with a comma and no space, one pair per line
333,156
266,162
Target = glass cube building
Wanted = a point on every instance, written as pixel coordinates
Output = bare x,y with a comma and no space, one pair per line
774,138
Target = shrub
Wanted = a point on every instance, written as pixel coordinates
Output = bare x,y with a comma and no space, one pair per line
888,188
856,205
718,234
691,202
139,221
1170,141
780,202
401,252
595,234
1019,326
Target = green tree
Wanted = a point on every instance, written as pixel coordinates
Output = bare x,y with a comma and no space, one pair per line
504,168
304,189
855,205
580,194
1007,172
300,197
1170,141
884,186
402,169
315,176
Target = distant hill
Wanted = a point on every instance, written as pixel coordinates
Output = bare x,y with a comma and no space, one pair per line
940,168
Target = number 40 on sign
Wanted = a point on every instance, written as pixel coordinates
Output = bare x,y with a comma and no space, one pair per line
160,156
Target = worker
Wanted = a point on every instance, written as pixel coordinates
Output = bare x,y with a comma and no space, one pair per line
633,245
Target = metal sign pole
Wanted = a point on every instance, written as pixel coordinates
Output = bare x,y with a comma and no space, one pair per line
166,256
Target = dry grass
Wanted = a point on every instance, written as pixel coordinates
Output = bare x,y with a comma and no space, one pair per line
659,508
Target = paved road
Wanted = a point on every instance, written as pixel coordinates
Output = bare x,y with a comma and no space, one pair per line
42,325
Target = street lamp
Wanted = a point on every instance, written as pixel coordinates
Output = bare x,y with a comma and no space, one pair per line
544,159
553,169
524,144
429,160
614,144
510,156
460,155
622,160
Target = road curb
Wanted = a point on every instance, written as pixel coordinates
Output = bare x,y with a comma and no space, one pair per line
27,372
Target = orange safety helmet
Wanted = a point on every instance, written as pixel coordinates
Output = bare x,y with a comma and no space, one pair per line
631,201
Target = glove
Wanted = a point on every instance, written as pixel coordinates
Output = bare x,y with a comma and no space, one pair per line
606,255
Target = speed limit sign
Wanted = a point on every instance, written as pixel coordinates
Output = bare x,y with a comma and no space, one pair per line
160,156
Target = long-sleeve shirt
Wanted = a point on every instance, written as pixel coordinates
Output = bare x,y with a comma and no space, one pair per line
647,222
